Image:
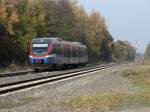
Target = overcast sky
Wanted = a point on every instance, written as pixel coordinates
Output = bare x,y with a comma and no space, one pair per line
127,19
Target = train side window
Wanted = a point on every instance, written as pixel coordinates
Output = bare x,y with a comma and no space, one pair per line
78,52
74,52
84,52
81,52
63,50
69,51
66,51
55,47
59,49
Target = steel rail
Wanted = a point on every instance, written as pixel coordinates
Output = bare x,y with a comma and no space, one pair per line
17,73
12,87
54,75
25,72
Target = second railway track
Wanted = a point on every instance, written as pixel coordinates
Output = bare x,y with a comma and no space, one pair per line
20,85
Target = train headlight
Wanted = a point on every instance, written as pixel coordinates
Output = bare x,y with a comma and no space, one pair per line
48,56
30,56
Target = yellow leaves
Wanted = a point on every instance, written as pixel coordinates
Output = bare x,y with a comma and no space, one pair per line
14,16
8,15
10,21
2,11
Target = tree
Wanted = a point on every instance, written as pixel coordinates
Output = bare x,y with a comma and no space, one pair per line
23,20
123,50
147,52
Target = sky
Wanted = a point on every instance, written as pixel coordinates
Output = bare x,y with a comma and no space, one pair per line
126,19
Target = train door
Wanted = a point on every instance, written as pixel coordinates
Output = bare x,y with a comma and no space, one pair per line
58,54
67,54
62,54
80,56
73,55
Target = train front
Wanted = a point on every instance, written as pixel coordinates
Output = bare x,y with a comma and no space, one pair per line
40,56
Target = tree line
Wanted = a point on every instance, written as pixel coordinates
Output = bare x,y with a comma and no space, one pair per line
147,52
123,50
23,20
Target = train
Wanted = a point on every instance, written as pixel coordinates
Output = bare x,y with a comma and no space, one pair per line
53,52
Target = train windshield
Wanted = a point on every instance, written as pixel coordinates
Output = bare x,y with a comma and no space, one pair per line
39,48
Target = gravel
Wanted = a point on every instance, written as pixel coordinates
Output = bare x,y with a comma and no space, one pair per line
31,76
51,97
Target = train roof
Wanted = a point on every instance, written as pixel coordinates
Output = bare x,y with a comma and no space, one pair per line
48,39
76,43
56,39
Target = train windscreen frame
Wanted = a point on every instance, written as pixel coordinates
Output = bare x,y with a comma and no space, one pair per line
40,46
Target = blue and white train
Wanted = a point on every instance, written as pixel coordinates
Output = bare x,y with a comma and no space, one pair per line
55,52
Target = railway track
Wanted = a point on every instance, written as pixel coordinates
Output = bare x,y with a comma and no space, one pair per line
20,85
25,72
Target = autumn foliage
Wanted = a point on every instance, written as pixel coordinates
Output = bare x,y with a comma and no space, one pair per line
23,20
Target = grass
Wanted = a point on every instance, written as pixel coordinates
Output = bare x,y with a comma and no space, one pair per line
101,101
3,70
140,78
145,62
12,68
16,103
137,99
108,101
